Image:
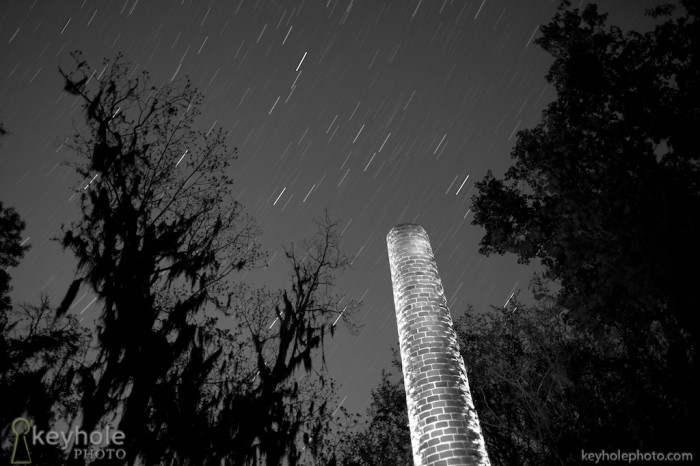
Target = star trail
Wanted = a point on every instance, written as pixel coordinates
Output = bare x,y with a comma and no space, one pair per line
384,112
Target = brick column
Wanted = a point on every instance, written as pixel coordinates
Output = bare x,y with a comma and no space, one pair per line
444,426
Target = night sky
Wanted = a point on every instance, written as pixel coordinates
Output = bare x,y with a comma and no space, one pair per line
384,112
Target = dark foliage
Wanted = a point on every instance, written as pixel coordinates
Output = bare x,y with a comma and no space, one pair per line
193,368
41,355
38,354
605,190
605,193
546,390
11,250
385,438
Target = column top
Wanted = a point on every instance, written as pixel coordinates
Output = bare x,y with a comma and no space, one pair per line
404,230
406,227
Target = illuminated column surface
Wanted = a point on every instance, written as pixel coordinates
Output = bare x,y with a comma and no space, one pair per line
444,426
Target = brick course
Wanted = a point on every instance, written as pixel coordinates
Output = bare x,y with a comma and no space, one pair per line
444,425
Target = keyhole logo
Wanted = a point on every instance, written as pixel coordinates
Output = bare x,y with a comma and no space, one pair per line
20,449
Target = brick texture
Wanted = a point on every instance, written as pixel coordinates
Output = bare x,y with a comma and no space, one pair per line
444,425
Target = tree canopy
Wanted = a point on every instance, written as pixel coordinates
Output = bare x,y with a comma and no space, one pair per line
605,193
384,439
545,390
192,365
12,249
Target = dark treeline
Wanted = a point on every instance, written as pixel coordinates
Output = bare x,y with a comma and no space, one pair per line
605,194
189,363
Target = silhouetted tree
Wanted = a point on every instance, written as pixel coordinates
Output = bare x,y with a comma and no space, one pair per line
11,250
605,190
385,439
545,390
41,356
157,242
38,354
605,193
518,376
